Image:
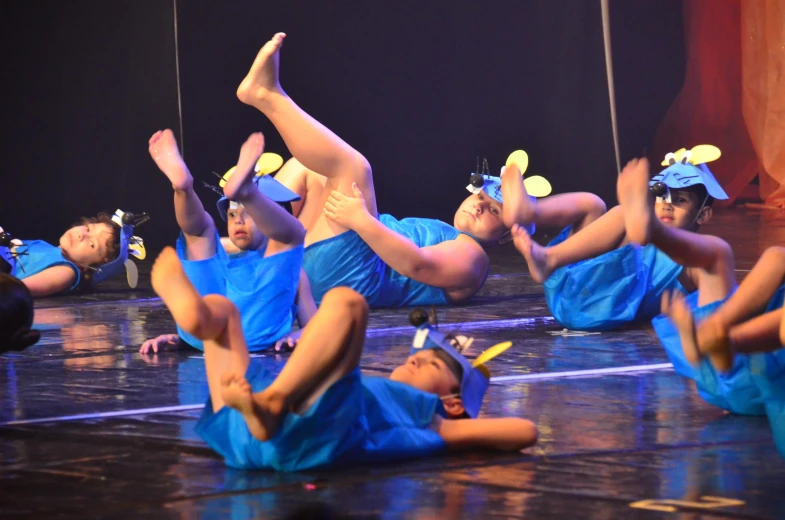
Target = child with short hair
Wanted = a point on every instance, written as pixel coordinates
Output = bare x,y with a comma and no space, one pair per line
320,411
599,278
258,266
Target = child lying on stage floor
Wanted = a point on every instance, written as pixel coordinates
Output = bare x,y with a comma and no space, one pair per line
87,254
598,278
709,266
742,339
320,411
391,262
16,315
258,266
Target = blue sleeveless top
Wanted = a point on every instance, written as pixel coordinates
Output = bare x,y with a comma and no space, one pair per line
346,260
35,256
358,420
617,288
263,289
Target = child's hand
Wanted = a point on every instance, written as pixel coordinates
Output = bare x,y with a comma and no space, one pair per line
344,210
159,343
287,343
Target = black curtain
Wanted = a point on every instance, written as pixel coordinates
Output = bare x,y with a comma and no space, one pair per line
420,88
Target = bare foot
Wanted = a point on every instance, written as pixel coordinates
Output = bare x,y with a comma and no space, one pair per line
172,285
262,414
536,256
262,79
632,189
676,308
518,209
239,184
713,341
164,151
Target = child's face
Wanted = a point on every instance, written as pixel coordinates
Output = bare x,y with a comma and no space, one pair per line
480,216
426,372
680,213
87,244
242,229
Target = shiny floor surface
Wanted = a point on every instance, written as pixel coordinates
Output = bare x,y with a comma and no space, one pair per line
89,429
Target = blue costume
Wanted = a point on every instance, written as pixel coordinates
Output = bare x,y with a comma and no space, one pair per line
625,285
755,385
346,260
358,419
263,289
35,256
617,288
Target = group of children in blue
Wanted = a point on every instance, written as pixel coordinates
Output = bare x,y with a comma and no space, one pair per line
333,250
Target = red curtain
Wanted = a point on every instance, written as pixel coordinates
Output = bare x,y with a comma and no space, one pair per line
734,93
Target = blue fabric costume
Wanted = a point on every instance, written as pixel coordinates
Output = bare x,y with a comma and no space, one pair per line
617,288
346,260
359,419
263,289
35,256
754,381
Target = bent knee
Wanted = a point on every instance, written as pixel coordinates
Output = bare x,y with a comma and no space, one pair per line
346,298
592,205
221,305
774,253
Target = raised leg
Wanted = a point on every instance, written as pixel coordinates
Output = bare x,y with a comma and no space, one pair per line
196,224
311,143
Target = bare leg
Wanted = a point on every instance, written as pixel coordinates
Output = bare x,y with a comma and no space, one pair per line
602,236
329,348
196,224
709,257
315,146
679,312
213,319
576,209
272,220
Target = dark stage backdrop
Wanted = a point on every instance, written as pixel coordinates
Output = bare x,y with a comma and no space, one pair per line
420,88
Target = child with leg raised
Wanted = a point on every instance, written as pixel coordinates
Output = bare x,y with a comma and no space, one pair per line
599,278
258,266
742,340
709,267
390,262
320,411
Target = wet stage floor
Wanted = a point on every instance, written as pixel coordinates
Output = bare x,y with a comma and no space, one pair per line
90,429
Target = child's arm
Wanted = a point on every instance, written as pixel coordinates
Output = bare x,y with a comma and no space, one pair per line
273,221
508,433
306,306
50,281
436,265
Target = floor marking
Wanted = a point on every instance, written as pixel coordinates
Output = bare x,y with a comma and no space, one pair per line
583,373
103,415
668,505
487,324
189,407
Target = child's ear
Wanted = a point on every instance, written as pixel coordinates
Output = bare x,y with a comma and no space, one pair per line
454,407
705,215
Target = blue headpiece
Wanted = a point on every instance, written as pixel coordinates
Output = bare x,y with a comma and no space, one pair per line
475,378
686,168
271,188
481,180
129,244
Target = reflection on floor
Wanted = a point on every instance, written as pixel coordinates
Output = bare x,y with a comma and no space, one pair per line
631,440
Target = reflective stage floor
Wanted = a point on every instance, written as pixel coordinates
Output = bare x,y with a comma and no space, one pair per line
89,429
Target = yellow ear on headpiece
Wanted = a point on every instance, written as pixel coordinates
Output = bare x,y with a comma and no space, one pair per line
520,159
537,186
700,154
491,353
704,153
136,249
268,163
